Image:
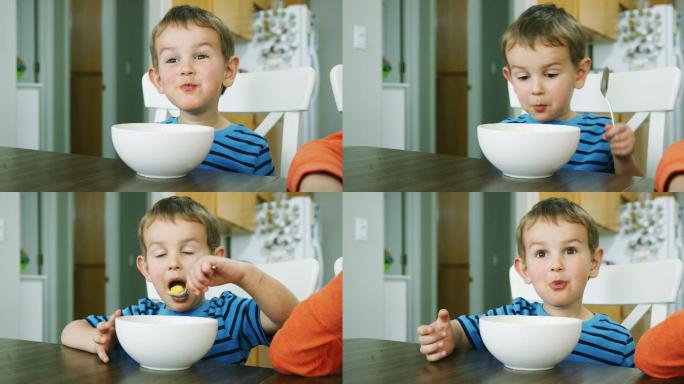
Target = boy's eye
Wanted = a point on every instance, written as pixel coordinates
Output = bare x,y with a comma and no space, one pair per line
201,57
540,253
171,60
523,77
571,251
551,75
159,254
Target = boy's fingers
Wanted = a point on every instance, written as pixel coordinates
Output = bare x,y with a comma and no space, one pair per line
429,339
103,356
436,356
428,349
443,315
423,330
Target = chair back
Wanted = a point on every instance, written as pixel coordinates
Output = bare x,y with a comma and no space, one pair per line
648,93
299,276
651,285
284,94
336,83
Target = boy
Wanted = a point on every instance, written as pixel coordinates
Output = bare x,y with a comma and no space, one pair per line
193,64
178,238
545,58
558,253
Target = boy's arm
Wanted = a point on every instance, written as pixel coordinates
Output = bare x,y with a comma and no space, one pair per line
79,334
627,166
460,338
274,299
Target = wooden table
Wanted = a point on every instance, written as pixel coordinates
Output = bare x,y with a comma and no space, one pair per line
26,362
381,361
381,169
30,170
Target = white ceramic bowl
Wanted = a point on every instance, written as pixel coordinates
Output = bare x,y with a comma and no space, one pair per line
167,343
162,150
530,343
528,151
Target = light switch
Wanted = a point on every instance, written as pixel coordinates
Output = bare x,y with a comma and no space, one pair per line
361,229
2,229
360,37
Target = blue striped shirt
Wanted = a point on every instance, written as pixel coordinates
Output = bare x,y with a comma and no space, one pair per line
237,149
239,326
593,151
602,341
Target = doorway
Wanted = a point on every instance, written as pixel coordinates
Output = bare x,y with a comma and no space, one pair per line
86,77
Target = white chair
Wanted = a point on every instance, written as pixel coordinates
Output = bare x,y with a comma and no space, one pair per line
285,94
336,83
651,92
299,276
651,285
338,266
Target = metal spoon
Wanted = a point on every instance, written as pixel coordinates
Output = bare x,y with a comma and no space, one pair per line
604,91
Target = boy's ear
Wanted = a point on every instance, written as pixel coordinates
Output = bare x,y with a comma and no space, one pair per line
506,72
220,252
230,71
596,259
582,72
155,79
142,267
521,268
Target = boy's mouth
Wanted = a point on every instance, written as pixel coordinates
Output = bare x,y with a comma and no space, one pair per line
539,107
188,87
558,284
177,290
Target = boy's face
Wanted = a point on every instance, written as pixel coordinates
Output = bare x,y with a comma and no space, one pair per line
192,68
172,250
544,79
558,261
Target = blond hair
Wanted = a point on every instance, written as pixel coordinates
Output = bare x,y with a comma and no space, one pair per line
182,15
181,207
549,25
551,210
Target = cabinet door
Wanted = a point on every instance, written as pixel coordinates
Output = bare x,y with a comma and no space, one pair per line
600,16
235,210
236,14
603,207
238,208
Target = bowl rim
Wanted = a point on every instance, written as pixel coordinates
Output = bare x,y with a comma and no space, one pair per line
145,128
555,320
184,320
559,128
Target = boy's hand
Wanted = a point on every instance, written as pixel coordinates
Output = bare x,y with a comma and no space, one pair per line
621,139
210,271
437,339
106,336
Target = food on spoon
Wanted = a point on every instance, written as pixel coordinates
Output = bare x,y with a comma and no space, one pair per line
178,290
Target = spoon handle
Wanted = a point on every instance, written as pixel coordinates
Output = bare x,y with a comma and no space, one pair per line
611,111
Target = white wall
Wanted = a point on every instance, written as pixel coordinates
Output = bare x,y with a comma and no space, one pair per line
362,119
363,276
331,237
9,262
329,54
8,70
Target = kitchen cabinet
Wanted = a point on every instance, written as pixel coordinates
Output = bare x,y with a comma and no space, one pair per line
603,207
236,211
600,18
236,14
